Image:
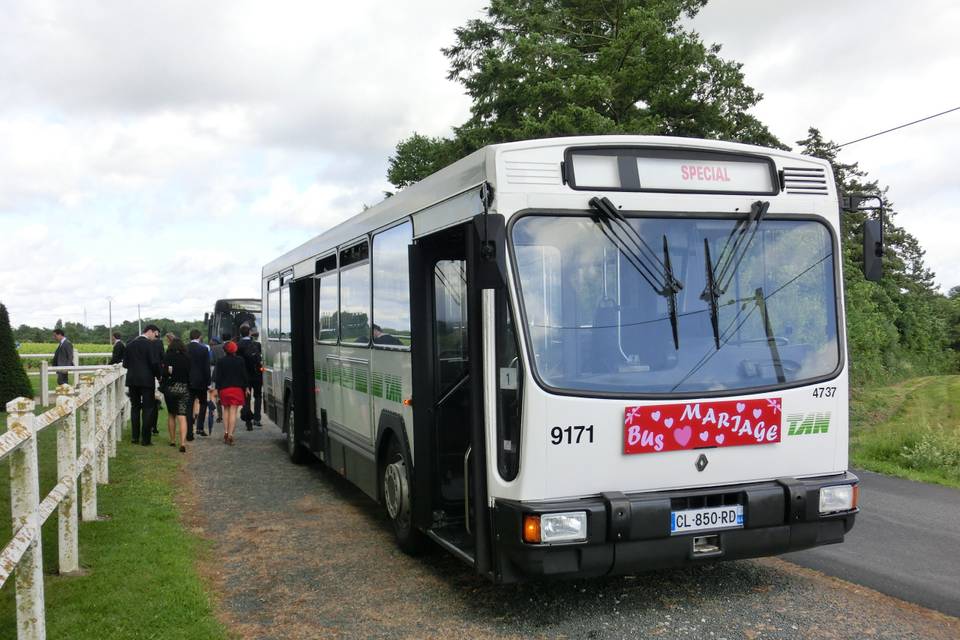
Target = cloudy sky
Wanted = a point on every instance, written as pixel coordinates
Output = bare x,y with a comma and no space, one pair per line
160,153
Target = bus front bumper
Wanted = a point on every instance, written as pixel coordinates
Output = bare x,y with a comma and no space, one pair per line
631,533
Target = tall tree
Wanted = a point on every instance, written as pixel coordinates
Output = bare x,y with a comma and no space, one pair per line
901,325
541,68
13,378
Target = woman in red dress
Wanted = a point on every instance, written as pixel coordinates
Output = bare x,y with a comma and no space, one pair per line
231,381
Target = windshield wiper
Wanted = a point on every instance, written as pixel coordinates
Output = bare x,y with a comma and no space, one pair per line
711,295
670,290
631,244
771,338
732,254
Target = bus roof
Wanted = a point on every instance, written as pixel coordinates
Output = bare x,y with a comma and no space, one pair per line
473,170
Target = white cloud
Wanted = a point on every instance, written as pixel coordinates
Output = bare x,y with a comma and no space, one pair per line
161,153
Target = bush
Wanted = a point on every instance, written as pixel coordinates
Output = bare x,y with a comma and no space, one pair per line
13,378
934,450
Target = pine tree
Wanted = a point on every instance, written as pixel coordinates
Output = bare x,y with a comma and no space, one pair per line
13,378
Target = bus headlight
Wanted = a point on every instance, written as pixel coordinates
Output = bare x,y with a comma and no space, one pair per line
842,497
563,527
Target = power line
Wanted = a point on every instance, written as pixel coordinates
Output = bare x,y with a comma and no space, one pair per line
880,133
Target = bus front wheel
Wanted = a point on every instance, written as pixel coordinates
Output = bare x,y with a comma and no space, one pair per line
397,497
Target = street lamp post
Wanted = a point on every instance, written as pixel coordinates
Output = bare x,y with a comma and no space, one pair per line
110,315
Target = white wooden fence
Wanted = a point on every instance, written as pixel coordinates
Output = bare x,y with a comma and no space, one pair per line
102,408
46,369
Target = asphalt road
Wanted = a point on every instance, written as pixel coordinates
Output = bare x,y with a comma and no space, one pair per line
906,543
295,552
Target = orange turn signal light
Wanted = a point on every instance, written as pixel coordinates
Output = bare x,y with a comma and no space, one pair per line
531,529
856,496
408,402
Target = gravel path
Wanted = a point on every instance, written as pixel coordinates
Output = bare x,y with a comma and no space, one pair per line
297,552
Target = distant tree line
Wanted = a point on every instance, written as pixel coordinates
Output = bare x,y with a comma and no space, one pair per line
100,334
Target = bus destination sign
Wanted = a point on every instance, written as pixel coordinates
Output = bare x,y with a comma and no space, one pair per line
701,425
703,175
687,171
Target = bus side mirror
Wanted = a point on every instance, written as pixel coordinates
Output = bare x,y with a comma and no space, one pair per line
873,250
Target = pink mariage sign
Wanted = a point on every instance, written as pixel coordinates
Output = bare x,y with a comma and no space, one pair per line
701,425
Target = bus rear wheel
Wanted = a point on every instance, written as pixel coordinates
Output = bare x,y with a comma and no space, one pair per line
297,452
397,497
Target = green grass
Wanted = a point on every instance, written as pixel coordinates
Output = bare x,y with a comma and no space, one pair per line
142,581
50,347
910,429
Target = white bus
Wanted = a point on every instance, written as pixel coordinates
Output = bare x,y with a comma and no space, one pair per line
579,356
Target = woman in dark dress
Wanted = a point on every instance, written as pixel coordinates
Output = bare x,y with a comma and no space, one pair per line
176,390
231,380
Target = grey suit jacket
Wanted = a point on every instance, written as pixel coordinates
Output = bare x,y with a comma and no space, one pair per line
63,356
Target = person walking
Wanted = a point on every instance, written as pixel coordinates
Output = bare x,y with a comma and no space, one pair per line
176,391
142,365
252,354
63,356
157,346
118,349
231,379
199,382
216,353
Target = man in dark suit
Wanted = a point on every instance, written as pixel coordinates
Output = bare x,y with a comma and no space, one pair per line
143,366
158,352
252,354
63,356
199,380
118,349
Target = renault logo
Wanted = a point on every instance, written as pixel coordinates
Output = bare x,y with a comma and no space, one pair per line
702,462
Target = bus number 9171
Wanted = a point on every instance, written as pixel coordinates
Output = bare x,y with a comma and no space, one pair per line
572,434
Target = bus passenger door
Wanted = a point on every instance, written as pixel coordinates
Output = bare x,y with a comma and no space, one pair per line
449,478
301,346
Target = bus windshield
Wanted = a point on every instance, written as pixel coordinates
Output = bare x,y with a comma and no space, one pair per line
752,306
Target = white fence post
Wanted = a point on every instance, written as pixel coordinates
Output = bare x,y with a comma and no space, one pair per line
24,503
102,429
67,520
44,383
112,412
76,363
120,406
88,446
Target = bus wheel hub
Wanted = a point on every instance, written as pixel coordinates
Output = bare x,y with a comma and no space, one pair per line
395,490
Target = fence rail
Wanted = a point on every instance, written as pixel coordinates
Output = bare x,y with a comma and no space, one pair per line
46,369
101,408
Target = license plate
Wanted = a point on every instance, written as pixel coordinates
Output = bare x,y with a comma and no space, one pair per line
708,518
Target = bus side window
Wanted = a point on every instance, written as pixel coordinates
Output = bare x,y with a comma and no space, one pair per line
285,313
273,310
327,307
450,298
391,287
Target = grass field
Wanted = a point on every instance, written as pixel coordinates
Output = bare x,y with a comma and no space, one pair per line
142,582
50,347
37,348
910,429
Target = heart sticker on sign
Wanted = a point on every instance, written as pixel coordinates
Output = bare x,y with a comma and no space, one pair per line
717,424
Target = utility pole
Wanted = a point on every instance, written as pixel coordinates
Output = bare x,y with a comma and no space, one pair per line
110,316
139,329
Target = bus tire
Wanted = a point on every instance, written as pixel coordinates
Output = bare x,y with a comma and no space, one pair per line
297,452
395,486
